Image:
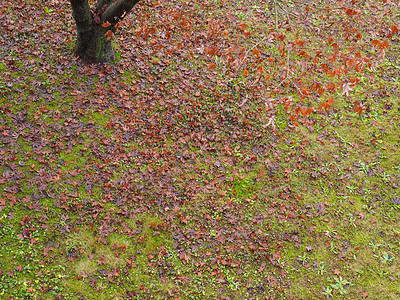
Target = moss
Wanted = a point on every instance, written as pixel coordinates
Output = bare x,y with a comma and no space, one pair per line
3,68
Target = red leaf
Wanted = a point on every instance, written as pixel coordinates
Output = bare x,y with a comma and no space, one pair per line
321,91
299,43
260,69
106,24
212,65
376,43
256,52
350,12
109,35
384,44
357,108
336,271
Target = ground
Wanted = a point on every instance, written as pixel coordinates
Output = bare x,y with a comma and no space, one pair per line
233,150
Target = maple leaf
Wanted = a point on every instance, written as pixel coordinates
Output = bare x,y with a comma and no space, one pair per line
184,256
212,65
106,24
109,35
376,43
381,55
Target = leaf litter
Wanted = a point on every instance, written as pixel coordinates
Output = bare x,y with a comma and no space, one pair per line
212,159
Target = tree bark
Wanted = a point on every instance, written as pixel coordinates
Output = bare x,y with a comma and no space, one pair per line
92,44
117,10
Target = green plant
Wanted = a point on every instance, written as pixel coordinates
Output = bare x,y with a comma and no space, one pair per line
48,10
321,268
374,246
386,258
340,285
328,291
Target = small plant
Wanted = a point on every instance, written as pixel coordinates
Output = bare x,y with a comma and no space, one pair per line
351,188
374,246
330,231
328,291
303,257
48,10
340,285
386,258
385,176
395,202
351,219
321,268
397,168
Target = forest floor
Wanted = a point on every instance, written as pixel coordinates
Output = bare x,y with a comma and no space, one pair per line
233,150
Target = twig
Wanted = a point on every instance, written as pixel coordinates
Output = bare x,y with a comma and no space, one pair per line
276,15
282,82
271,121
247,53
287,12
288,61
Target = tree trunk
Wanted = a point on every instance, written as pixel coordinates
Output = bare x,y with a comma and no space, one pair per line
93,44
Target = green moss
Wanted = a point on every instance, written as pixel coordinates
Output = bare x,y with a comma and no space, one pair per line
244,188
3,67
